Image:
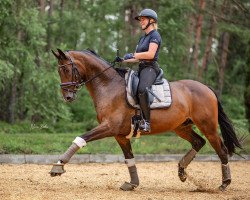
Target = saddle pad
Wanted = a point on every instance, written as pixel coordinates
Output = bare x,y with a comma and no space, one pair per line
162,91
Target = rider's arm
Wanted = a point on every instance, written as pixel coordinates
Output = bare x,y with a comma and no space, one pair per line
148,55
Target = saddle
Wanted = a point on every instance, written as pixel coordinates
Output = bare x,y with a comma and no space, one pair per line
159,97
159,93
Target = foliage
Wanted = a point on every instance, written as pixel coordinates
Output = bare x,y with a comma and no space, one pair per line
35,138
40,143
172,25
29,83
62,126
7,72
25,79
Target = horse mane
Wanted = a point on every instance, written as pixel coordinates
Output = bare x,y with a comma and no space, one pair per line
120,71
93,52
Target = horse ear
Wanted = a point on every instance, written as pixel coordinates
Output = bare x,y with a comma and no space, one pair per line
56,54
62,54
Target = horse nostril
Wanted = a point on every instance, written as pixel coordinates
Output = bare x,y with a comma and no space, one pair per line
68,98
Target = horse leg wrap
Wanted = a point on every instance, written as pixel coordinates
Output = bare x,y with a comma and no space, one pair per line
130,162
132,171
133,175
226,176
186,160
134,180
77,144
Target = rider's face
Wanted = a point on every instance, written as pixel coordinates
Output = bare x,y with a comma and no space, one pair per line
143,22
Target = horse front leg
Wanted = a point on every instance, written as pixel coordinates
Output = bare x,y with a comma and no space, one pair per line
129,161
99,132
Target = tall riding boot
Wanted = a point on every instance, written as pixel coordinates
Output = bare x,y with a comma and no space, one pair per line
145,108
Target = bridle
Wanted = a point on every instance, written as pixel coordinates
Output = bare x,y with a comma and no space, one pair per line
76,79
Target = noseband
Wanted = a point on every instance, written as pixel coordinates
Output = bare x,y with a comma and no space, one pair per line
78,83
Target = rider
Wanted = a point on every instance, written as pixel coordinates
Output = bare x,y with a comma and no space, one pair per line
147,54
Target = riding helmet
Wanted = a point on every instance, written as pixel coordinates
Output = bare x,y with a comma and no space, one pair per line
147,13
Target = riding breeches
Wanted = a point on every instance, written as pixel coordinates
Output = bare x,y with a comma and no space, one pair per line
147,76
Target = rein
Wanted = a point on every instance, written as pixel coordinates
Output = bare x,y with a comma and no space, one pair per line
76,74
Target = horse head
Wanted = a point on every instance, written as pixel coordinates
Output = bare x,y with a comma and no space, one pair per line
71,79
77,68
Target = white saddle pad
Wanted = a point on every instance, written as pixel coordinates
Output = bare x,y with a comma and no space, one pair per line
163,93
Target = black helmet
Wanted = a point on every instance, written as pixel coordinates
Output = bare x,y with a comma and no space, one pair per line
147,13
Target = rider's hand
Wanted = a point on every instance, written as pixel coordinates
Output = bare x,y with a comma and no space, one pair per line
118,59
128,56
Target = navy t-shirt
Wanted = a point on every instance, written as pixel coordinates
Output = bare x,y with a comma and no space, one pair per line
143,44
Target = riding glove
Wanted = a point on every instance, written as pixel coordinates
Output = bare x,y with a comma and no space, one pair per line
128,56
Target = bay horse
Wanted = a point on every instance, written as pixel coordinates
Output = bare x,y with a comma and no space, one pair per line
193,104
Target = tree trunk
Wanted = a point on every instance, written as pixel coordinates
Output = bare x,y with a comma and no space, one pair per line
247,90
188,60
226,10
4,102
154,5
211,35
12,103
13,84
61,20
49,25
202,4
130,12
41,4
223,51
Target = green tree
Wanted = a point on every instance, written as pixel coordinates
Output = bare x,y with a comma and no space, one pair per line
25,86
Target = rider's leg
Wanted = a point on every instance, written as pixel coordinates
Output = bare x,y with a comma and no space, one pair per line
147,78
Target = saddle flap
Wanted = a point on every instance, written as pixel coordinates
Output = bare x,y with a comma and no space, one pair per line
134,84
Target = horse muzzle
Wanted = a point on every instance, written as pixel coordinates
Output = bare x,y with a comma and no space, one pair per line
69,96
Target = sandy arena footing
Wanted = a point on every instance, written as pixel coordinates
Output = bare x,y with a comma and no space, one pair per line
158,180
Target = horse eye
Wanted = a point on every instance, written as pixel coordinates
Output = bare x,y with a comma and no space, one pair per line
65,70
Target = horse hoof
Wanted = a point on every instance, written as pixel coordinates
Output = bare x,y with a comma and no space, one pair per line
182,174
183,178
224,185
52,174
57,170
128,186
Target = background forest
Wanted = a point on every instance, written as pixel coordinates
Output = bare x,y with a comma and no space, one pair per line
204,40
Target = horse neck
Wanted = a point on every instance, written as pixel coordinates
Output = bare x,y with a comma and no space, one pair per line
103,85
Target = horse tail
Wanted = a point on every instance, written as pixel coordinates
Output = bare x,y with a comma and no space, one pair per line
227,130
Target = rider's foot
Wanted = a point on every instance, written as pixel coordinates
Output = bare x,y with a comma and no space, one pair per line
144,126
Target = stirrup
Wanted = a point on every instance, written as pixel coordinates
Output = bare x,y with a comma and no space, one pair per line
145,126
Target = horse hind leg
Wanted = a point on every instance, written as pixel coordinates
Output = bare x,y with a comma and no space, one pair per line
210,131
197,142
222,152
